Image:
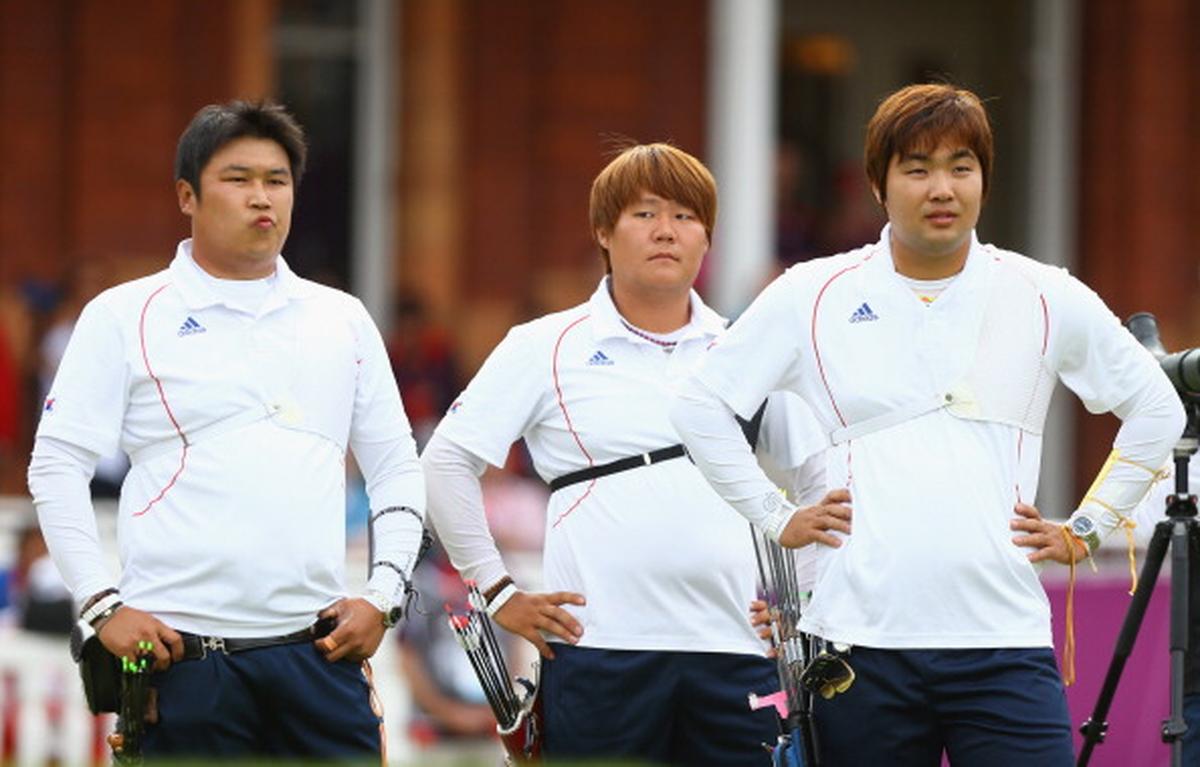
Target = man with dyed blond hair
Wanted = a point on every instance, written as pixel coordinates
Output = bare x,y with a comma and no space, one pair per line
929,359
647,648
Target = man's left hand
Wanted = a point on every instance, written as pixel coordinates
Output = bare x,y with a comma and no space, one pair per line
1045,538
358,632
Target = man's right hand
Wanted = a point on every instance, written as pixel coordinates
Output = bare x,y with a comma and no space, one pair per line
761,619
529,614
812,525
121,634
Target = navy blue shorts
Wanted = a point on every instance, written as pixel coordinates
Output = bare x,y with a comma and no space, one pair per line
983,708
680,708
285,701
1191,739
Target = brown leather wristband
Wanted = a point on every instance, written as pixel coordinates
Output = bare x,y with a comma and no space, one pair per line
94,598
495,589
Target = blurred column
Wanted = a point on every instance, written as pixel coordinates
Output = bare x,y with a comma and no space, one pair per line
430,212
743,78
1051,214
373,159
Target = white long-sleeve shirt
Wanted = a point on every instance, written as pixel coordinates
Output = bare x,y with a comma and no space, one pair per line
663,562
237,421
930,562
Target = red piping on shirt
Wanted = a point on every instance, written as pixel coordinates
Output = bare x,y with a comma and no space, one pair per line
816,348
166,406
821,367
567,416
1045,345
1045,323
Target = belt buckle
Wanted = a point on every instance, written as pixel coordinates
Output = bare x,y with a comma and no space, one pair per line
213,644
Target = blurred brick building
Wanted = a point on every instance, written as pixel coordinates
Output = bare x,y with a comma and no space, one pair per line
454,140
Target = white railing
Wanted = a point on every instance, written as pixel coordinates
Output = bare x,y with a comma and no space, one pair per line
43,716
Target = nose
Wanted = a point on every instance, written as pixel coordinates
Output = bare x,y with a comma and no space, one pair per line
940,187
664,229
258,195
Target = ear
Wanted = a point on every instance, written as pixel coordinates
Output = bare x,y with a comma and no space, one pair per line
186,196
603,238
878,196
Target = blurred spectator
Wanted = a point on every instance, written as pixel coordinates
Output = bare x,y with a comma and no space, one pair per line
445,689
15,332
10,396
447,694
795,218
820,215
37,597
855,218
422,359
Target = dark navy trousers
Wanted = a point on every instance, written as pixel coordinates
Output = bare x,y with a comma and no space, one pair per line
676,708
983,708
285,701
1191,739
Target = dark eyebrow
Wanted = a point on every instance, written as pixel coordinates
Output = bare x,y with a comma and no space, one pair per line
235,168
923,157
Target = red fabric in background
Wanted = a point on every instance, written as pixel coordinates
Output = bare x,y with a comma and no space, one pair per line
9,395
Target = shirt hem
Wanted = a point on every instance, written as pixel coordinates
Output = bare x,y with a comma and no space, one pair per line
669,644
861,638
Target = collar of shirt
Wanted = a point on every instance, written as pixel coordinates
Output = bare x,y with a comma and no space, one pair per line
198,294
606,320
881,259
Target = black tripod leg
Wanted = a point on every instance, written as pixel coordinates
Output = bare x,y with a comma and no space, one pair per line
1175,727
1094,728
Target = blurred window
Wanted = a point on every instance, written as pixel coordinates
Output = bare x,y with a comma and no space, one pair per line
317,64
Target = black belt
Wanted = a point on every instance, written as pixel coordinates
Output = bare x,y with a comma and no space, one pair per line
619,465
196,647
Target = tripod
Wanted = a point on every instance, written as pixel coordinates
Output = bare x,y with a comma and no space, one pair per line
1180,531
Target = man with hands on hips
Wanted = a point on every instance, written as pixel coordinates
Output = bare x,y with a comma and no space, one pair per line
929,358
236,387
648,652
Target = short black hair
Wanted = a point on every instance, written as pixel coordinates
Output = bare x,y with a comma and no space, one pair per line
216,125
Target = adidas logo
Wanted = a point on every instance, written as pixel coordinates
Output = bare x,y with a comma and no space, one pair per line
599,358
863,314
190,326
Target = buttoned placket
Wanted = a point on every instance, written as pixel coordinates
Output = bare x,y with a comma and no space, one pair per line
272,350
938,329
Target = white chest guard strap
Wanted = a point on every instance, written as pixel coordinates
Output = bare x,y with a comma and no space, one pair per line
214,429
886,420
1008,380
